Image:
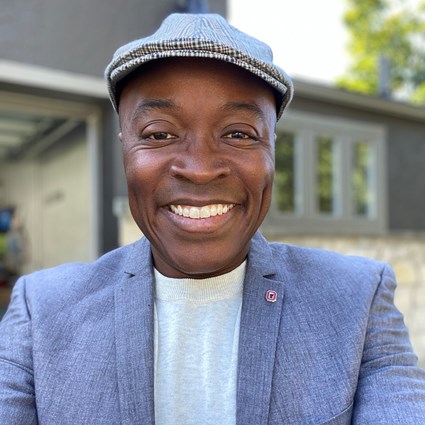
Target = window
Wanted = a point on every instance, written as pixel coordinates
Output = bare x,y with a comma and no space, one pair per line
285,172
325,166
330,177
361,179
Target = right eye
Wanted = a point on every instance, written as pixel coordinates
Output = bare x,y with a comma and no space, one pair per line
160,135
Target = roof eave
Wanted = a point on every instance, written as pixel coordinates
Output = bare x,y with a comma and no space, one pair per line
309,90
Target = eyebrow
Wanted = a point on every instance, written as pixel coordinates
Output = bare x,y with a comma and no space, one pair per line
147,105
244,106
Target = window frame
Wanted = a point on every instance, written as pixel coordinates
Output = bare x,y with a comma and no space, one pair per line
344,133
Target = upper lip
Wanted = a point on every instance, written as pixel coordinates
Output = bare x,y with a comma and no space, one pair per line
200,202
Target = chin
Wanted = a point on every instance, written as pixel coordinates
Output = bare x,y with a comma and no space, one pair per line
202,267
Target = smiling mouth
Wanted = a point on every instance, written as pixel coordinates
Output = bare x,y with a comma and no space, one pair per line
205,211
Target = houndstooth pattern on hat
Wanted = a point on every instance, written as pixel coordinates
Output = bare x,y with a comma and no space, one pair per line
200,36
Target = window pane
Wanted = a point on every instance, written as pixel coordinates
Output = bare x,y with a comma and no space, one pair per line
285,172
325,174
361,179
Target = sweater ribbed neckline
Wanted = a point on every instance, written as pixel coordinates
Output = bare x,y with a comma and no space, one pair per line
214,288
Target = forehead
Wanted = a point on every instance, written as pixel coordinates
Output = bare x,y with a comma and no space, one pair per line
165,75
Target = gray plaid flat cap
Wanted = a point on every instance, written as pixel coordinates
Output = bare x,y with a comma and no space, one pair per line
200,36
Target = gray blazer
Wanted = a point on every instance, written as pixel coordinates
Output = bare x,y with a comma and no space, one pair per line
76,345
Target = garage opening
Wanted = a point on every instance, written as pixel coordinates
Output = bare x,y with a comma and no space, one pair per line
49,186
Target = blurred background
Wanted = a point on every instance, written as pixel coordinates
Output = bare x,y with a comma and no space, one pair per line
350,151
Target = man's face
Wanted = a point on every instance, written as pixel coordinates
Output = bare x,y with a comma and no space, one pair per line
197,139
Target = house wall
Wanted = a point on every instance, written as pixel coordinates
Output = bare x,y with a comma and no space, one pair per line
65,201
405,159
406,179
79,36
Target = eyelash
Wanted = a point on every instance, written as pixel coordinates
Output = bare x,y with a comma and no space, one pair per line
245,136
153,136
236,137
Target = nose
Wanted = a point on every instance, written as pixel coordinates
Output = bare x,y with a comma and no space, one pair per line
200,163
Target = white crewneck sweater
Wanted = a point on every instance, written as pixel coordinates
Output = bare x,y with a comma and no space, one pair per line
196,348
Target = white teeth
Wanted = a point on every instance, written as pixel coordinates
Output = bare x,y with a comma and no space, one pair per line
194,213
201,212
205,212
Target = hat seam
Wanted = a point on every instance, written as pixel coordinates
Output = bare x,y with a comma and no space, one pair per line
184,44
141,55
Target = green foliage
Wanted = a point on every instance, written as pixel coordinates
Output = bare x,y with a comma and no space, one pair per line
418,96
325,174
390,29
360,178
285,171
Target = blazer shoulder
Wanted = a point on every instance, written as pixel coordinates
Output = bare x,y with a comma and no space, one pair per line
325,269
112,260
79,279
322,259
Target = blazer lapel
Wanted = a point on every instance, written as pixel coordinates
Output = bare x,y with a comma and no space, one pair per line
258,335
134,306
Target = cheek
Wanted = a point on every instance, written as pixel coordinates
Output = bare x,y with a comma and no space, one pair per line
140,177
265,173
134,175
265,182
140,167
140,188
268,189
147,174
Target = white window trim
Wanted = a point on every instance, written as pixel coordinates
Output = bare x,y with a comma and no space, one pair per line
345,132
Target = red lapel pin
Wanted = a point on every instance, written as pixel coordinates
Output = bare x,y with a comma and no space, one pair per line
271,296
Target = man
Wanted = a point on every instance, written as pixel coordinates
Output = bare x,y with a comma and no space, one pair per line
203,321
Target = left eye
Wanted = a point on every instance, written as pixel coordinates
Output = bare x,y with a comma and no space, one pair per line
237,135
240,139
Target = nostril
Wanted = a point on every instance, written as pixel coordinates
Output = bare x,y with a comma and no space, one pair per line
199,171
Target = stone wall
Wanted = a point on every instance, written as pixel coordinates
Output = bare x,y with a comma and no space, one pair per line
406,254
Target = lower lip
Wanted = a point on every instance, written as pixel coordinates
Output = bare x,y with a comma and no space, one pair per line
201,225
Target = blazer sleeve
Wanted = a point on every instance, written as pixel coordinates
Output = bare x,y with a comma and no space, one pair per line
17,395
391,388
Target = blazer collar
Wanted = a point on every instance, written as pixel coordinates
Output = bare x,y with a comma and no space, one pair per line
259,329
134,323
139,258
